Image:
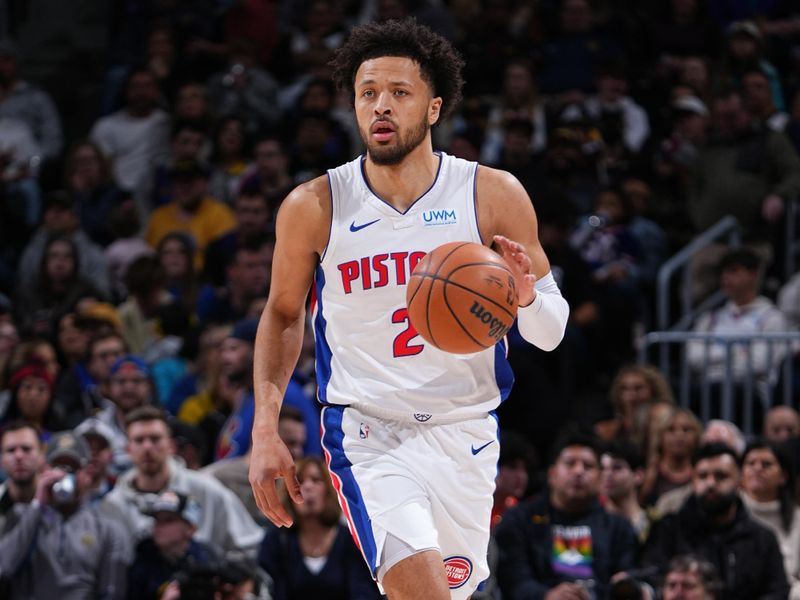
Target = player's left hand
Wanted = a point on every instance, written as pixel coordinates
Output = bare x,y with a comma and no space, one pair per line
520,264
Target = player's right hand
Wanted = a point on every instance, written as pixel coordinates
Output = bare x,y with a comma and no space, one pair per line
271,460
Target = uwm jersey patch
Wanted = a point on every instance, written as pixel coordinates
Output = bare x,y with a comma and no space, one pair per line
367,350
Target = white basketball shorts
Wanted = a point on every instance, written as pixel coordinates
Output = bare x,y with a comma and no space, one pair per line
423,486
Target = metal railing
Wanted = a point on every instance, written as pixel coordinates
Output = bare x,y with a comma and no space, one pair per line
726,227
732,375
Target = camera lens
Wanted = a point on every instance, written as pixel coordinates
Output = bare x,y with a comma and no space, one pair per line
64,489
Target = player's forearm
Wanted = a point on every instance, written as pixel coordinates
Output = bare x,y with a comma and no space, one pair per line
278,343
543,322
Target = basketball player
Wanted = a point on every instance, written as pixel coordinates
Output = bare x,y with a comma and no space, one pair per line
408,430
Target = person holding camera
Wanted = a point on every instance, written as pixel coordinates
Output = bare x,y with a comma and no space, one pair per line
61,547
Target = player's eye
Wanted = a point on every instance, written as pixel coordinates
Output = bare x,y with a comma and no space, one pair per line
367,94
400,93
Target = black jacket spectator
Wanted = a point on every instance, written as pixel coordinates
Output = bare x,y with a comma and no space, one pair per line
530,535
745,553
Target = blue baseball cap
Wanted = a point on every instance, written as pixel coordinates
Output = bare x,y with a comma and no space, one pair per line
130,364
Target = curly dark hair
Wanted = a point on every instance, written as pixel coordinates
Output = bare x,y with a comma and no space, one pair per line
440,64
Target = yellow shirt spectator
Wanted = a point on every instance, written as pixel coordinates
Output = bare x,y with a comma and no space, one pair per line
191,211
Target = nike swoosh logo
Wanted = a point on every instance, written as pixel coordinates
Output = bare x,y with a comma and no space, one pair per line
476,450
354,227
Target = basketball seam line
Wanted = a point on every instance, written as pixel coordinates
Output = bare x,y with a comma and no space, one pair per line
465,288
430,292
455,316
500,306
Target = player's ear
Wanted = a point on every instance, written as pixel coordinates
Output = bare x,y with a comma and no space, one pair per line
434,110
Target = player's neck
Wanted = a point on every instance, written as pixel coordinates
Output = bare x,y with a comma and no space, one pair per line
400,185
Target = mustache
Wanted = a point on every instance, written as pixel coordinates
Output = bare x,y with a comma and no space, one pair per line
383,120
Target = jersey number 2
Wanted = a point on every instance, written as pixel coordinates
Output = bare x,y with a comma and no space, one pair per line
402,343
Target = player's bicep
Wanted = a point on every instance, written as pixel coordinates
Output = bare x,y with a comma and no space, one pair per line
300,235
504,208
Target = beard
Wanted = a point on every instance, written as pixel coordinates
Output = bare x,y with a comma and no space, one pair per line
718,505
393,155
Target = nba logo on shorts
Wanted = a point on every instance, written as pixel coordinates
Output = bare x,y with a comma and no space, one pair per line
458,570
363,431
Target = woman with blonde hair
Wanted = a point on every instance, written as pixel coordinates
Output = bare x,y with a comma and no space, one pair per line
676,435
315,557
634,390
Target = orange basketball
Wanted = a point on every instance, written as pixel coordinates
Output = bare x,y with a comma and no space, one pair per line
462,297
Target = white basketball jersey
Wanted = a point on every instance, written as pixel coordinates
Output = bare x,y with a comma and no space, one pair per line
367,352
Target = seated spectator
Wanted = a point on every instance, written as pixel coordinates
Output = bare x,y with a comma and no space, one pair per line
691,578
203,371
22,460
126,247
745,312
316,557
669,458
32,399
188,143
717,431
270,172
633,390
742,170
229,159
72,340
781,424
624,124
245,89
57,288
233,472
254,219
714,524
85,387
517,461
191,211
170,549
225,525
130,387
175,253
606,243
136,136
744,50
237,363
23,100
52,535
520,100
87,179
758,100
572,55
554,545
247,278
146,282
768,492
61,218
621,475
191,445
20,157
100,439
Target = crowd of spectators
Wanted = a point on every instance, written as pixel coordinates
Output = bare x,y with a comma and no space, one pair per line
135,260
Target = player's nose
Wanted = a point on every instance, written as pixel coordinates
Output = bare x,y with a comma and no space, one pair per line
383,104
